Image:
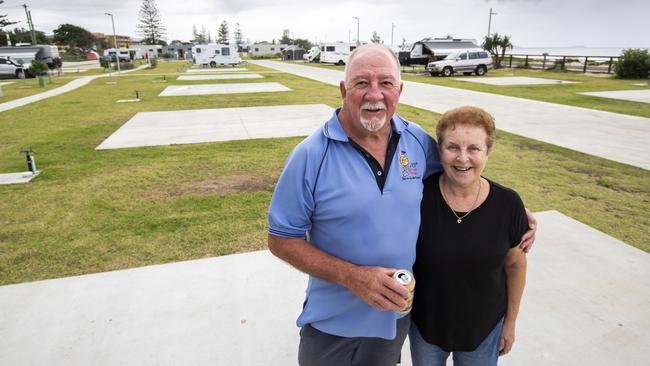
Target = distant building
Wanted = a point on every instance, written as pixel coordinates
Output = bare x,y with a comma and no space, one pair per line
267,49
293,53
148,50
122,41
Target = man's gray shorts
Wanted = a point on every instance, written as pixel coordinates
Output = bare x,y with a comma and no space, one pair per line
322,349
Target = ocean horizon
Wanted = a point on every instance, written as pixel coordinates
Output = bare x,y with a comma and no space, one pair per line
571,51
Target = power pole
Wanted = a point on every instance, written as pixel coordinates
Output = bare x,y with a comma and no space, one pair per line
392,31
31,25
490,22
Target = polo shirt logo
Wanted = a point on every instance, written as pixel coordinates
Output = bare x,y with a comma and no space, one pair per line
409,169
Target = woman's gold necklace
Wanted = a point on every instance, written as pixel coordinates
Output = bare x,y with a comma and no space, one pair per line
459,219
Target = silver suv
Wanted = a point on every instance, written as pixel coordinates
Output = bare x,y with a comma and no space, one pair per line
11,68
467,62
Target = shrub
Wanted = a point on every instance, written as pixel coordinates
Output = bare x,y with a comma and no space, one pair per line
634,63
124,65
37,68
168,55
153,62
104,63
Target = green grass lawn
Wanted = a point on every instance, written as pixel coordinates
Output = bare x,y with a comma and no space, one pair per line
25,87
560,94
92,211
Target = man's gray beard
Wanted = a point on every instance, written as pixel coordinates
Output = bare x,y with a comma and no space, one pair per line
373,124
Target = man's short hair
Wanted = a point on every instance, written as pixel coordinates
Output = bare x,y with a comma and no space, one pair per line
381,47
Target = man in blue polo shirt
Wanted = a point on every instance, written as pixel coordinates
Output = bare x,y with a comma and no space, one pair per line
346,210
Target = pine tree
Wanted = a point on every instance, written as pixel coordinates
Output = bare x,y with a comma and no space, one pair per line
195,34
238,34
223,34
150,24
203,36
209,37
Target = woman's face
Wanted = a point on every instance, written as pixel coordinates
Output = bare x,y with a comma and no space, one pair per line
464,154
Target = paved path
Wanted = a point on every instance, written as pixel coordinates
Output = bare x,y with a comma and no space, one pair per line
608,135
74,84
585,304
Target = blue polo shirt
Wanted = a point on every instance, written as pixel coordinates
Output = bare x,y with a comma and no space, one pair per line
328,194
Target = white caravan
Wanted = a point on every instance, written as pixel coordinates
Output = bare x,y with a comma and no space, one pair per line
124,54
336,52
313,55
214,54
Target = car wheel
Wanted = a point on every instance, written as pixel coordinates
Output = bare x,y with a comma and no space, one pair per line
340,63
213,64
20,74
447,71
481,70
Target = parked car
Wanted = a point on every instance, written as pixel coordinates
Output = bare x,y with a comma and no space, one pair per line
11,68
467,62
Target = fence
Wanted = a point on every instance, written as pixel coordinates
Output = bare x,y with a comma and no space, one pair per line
599,64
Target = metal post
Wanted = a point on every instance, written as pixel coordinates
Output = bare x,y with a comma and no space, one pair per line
358,42
31,163
609,68
490,22
510,63
586,61
117,50
392,32
526,63
563,63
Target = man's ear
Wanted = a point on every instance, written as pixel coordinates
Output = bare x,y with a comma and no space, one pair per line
342,89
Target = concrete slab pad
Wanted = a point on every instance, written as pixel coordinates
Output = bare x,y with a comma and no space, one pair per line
17,178
211,125
208,89
614,136
514,80
641,96
207,71
585,304
7,83
220,77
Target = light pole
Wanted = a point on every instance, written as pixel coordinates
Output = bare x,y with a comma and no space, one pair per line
392,31
490,21
117,51
357,18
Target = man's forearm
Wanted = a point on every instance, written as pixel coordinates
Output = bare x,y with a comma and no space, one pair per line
515,282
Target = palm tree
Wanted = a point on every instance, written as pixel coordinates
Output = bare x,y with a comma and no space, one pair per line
497,46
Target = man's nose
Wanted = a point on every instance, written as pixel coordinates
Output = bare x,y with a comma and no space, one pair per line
374,91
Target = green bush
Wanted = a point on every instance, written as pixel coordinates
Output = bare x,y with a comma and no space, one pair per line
124,65
168,55
104,63
634,63
37,68
153,62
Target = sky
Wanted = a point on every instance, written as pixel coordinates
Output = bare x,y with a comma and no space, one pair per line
530,23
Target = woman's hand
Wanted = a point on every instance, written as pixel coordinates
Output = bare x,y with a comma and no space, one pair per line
507,338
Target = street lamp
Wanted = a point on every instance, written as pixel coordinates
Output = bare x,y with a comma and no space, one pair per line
117,51
357,18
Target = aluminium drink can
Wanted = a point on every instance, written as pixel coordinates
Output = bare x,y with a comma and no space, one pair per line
406,279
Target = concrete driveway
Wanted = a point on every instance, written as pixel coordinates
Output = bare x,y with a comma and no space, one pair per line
612,136
585,303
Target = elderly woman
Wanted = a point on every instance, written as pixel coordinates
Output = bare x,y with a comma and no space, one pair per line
470,271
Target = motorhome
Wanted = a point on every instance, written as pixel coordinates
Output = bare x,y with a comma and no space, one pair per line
313,55
215,54
124,54
24,54
336,52
434,49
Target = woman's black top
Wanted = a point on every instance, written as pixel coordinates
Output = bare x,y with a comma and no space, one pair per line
460,290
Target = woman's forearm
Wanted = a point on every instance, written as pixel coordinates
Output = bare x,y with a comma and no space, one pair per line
515,268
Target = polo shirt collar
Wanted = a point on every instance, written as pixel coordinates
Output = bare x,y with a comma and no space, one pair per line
333,129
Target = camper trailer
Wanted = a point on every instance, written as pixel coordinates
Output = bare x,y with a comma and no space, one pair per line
434,49
336,52
24,54
215,54
313,55
124,54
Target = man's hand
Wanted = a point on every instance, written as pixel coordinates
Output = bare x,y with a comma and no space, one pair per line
376,286
528,239
507,338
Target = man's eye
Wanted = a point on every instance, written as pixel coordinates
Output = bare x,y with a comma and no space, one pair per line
388,84
361,84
